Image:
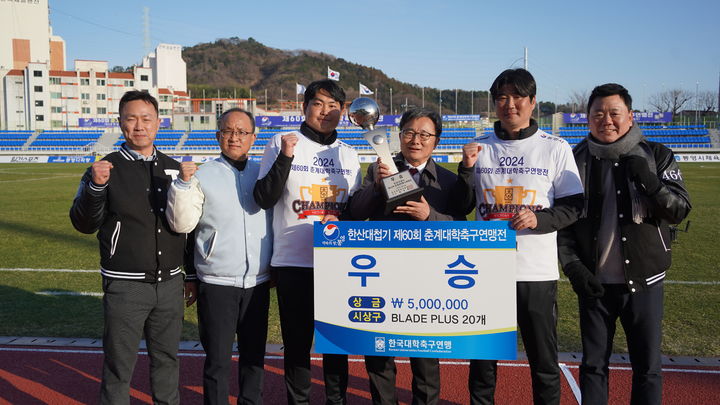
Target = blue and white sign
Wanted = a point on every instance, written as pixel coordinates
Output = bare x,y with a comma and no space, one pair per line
296,120
419,289
112,122
437,158
461,117
697,157
642,117
71,159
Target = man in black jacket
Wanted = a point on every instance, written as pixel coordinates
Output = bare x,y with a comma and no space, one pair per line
420,131
123,197
617,253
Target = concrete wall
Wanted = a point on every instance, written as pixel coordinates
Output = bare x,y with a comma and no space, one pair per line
24,21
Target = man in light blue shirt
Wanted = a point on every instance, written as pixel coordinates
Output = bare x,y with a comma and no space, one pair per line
233,246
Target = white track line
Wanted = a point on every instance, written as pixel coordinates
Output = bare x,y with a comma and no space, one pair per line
571,382
72,293
351,359
51,270
37,179
681,282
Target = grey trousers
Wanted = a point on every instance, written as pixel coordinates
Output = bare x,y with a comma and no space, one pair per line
130,309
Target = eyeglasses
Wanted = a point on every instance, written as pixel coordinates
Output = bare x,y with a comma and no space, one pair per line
229,133
408,134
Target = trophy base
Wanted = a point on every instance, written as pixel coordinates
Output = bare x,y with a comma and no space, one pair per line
399,189
391,204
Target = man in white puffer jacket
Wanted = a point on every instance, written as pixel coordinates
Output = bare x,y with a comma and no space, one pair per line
233,247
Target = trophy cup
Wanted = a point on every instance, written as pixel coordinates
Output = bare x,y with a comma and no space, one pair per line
399,187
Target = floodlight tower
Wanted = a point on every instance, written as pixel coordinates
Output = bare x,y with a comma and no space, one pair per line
146,29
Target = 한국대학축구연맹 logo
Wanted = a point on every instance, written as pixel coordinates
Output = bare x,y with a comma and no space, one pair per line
331,232
379,344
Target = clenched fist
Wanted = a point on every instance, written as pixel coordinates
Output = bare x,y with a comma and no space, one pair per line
187,170
288,142
470,154
100,171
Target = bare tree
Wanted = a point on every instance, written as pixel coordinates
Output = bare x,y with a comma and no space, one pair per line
707,101
670,100
578,100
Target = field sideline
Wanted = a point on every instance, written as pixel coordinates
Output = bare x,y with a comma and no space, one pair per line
37,234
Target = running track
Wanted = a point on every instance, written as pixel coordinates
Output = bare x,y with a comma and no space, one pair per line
70,375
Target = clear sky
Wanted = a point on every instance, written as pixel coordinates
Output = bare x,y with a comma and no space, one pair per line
648,46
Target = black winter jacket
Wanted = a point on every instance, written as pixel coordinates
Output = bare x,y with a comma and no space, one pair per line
645,246
136,242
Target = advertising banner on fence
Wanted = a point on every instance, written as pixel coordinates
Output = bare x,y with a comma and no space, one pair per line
697,157
642,117
71,159
296,120
23,159
461,117
420,289
112,122
373,157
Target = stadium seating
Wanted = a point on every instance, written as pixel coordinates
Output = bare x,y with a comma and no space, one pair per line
673,136
165,140
452,139
13,140
53,140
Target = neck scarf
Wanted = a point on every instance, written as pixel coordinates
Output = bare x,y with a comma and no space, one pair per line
628,144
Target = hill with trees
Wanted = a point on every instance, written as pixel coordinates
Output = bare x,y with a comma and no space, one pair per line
235,67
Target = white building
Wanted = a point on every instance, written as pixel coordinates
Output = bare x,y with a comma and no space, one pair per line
38,98
25,37
170,68
38,93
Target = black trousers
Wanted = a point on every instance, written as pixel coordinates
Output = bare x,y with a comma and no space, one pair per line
425,380
223,313
537,320
130,309
297,323
641,316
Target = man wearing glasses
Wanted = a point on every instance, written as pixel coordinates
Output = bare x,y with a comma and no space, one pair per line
232,249
525,176
419,135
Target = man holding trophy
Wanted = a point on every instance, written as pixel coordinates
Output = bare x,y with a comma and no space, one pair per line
410,187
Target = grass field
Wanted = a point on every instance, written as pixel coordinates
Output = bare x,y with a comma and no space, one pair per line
36,233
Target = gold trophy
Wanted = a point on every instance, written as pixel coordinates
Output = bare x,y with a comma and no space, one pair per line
322,192
505,195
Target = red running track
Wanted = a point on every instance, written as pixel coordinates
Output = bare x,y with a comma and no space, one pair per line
39,375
